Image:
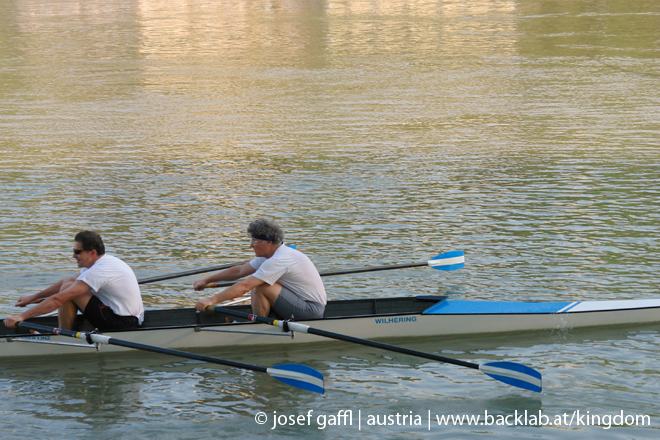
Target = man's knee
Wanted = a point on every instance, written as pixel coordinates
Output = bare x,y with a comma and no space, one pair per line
82,300
271,293
67,282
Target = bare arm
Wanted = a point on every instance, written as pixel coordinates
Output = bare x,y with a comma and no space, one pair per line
231,292
54,302
231,274
24,300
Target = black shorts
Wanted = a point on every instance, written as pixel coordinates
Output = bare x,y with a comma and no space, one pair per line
103,318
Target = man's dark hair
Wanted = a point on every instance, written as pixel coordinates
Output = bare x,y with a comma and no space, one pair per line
90,240
263,229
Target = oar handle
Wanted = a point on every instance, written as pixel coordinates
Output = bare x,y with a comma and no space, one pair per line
213,284
55,331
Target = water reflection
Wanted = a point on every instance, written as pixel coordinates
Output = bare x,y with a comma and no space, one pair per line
375,132
108,394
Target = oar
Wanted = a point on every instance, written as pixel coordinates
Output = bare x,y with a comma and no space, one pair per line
447,261
299,376
188,273
194,271
452,260
510,373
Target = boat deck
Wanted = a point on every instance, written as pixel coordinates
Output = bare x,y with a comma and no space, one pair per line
189,317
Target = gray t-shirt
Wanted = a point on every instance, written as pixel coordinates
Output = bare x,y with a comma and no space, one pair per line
293,270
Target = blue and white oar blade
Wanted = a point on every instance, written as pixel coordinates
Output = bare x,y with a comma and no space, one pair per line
511,373
299,376
452,260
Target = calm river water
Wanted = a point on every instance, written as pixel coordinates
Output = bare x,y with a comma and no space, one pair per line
522,132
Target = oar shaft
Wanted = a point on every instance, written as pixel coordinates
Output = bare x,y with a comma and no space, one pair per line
299,376
188,273
510,373
103,339
184,354
338,272
389,347
372,269
314,331
444,258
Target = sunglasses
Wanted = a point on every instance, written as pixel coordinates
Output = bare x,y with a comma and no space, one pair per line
78,251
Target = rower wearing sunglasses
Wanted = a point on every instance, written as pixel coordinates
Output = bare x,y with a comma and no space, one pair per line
105,291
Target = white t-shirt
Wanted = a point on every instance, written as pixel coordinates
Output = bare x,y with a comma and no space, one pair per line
291,269
114,283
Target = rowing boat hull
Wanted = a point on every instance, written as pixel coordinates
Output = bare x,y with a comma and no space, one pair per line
368,319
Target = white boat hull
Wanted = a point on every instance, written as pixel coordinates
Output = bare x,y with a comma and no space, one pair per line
444,318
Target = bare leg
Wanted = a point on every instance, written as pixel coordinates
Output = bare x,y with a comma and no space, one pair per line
264,297
66,314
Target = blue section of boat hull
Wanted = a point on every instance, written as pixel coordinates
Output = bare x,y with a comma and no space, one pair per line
495,308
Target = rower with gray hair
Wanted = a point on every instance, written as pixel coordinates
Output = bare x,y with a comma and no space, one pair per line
280,278
266,230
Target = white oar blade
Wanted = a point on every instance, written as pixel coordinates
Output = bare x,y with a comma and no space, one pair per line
299,376
514,374
452,260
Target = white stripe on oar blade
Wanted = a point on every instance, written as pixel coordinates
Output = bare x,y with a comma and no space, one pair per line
300,376
448,261
514,374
